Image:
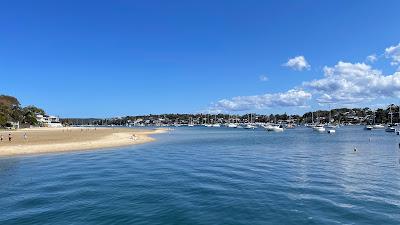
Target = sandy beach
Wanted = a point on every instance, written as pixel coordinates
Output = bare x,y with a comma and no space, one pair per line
46,140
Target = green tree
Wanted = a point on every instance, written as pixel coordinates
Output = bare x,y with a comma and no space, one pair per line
9,101
3,120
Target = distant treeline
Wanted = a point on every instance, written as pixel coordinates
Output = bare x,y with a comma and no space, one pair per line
340,115
12,112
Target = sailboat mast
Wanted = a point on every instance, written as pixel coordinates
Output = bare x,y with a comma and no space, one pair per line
312,117
374,116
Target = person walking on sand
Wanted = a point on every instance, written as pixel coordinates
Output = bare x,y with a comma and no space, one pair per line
9,137
1,137
25,136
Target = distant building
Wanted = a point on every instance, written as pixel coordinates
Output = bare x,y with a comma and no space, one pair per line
48,121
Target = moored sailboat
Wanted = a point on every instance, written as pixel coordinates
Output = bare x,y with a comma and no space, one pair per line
319,128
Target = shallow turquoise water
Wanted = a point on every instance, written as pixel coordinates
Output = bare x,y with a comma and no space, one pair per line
212,176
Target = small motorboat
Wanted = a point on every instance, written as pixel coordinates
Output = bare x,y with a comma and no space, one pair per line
274,128
390,129
378,126
232,125
278,128
268,127
331,131
249,126
368,127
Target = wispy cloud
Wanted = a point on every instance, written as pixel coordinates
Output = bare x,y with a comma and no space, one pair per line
298,63
241,103
372,58
263,78
393,53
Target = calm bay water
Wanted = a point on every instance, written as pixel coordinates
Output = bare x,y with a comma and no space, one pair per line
212,176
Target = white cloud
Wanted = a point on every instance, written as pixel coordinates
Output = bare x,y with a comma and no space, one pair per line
372,58
298,63
345,83
263,78
349,83
393,53
292,97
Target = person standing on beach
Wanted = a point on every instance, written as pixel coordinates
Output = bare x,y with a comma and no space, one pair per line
1,137
9,137
25,137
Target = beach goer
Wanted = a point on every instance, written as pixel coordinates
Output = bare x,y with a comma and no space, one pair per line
1,137
25,136
9,137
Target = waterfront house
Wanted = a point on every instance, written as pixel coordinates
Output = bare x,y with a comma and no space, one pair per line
48,121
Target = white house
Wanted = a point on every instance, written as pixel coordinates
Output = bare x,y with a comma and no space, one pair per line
48,121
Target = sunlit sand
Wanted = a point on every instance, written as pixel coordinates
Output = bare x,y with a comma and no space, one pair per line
45,140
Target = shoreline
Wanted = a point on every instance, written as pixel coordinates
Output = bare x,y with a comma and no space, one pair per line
53,140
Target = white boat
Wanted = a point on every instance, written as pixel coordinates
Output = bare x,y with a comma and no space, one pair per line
249,126
216,124
268,127
368,127
378,126
331,127
207,122
274,128
190,124
390,129
319,128
277,129
232,125
310,125
331,131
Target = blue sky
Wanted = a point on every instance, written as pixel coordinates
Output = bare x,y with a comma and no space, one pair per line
114,58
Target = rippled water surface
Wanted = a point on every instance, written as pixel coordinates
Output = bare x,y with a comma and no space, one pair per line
212,176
